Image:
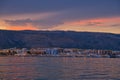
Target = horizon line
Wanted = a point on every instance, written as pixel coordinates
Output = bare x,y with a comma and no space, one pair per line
60,30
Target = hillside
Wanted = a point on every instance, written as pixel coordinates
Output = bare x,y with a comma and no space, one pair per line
63,39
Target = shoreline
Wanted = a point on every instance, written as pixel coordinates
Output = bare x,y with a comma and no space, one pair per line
63,56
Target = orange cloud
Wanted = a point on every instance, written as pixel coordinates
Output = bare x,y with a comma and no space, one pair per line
98,21
5,26
21,28
92,25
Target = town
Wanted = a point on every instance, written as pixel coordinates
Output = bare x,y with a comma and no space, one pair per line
60,52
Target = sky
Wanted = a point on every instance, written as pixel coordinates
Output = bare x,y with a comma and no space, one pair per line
73,15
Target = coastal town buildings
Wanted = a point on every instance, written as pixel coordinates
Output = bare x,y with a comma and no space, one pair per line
73,52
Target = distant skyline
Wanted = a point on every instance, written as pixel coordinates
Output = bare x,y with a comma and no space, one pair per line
75,15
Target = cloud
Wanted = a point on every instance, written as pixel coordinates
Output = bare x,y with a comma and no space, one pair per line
23,22
54,21
42,23
93,23
66,11
116,25
104,7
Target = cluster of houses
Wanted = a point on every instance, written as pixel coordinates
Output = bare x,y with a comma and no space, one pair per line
61,52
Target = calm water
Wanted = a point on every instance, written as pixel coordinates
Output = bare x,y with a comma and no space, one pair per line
59,68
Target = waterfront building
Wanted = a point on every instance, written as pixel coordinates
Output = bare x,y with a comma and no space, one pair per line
52,51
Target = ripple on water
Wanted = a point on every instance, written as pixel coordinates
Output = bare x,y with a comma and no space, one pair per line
64,68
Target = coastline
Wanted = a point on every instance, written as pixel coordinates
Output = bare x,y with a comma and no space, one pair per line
61,56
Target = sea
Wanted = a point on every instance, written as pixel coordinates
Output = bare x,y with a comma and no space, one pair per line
59,68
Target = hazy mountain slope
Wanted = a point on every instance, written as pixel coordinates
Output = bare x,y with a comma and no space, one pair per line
68,39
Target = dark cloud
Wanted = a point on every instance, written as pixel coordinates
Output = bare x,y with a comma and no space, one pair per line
93,23
115,25
23,22
41,6
102,24
43,24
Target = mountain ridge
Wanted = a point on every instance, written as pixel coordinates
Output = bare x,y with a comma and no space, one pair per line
63,39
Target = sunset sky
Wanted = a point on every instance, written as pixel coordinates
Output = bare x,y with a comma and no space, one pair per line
75,15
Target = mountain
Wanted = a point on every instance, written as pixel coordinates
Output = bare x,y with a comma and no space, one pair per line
63,39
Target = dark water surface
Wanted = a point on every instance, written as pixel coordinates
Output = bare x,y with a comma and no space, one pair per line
59,68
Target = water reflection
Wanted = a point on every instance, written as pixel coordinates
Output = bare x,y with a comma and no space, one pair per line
57,68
